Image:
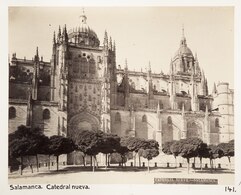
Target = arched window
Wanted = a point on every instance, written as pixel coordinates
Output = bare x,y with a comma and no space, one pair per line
169,120
117,117
216,122
80,97
92,66
12,113
133,85
84,65
160,104
144,119
76,64
46,114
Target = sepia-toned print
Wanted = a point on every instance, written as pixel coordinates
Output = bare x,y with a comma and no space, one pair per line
118,95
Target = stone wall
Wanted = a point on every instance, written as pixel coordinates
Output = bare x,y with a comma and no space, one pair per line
20,117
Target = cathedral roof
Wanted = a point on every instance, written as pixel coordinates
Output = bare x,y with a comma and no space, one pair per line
183,49
83,34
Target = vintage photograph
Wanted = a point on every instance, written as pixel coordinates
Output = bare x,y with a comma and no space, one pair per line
120,95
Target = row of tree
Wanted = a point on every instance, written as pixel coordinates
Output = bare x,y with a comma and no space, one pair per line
195,147
25,142
92,143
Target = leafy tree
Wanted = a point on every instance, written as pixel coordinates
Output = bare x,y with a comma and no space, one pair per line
82,140
203,152
214,152
60,145
149,154
38,144
89,142
149,150
109,144
175,149
228,150
123,149
189,148
166,149
26,142
134,144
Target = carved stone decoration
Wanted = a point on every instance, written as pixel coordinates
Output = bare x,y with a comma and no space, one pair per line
82,121
194,129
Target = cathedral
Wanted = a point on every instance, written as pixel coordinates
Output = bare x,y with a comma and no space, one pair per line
82,88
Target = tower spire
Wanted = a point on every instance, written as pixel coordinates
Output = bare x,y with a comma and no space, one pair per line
36,55
171,68
126,65
214,88
110,43
114,47
59,34
183,39
65,34
37,52
54,39
105,43
149,67
183,31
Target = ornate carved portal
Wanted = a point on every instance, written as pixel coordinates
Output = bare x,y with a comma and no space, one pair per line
77,124
194,129
82,121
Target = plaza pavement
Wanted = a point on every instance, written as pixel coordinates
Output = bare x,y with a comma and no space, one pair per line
116,175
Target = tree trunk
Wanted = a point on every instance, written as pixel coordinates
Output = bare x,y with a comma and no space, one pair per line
21,165
83,157
139,160
93,161
74,153
175,161
201,167
57,161
229,160
30,164
96,161
134,159
187,165
194,162
148,167
49,163
37,162
211,166
106,161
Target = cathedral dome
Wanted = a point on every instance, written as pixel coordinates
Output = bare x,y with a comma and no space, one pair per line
183,49
83,34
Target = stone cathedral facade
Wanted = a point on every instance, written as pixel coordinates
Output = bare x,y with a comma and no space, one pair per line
82,88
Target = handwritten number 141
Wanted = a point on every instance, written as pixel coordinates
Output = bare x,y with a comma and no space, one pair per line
230,189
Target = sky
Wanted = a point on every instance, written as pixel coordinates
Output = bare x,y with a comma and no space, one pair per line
141,34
